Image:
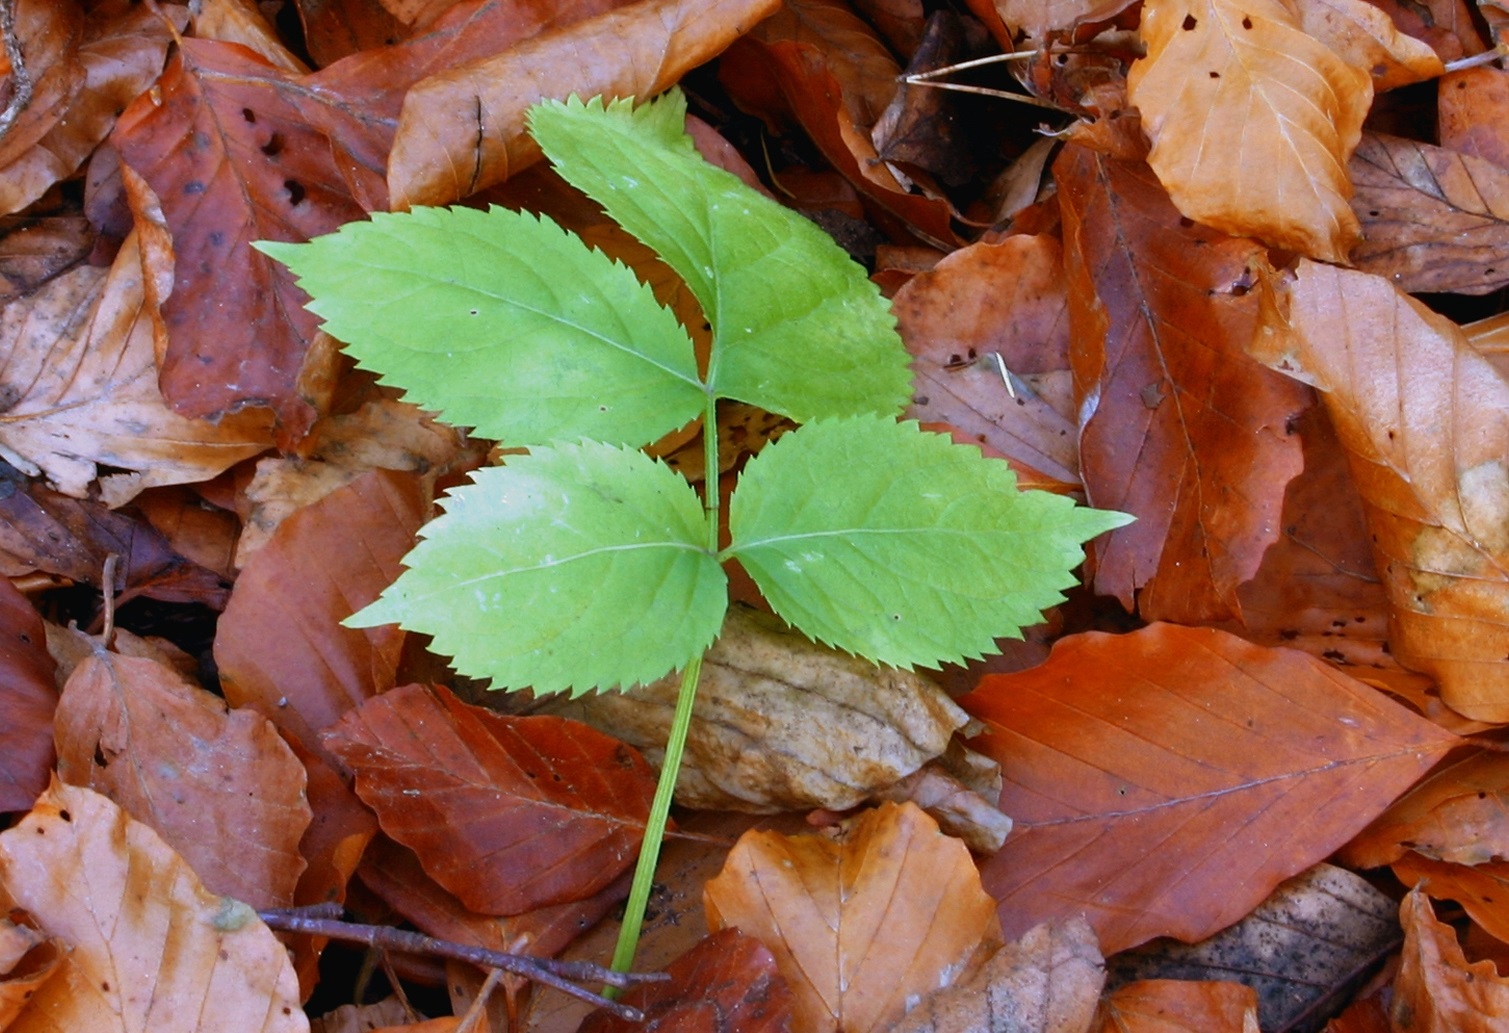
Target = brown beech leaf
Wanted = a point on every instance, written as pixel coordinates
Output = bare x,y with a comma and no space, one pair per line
27,960
27,700
727,982
1436,990
151,948
242,21
1179,1006
1175,426
1364,36
1481,889
1252,121
1040,17
48,35
988,330
1460,814
218,785
280,646
1470,113
1435,220
1165,781
507,813
229,153
859,922
462,128
79,385
1049,981
1424,419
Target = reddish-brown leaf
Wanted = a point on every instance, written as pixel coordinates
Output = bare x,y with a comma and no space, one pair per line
1460,814
1436,990
1473,113
1176,426
1424,419
48,34
1179,1006
280,646
27,699
1481,889
507,813
727,982
859,922
218,785
232,158
1164,782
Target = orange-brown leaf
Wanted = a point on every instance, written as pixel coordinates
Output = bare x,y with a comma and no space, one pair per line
1459,814
1436,990
1165,781
507,813
48,34
27,700
1481,889
1424,419
1179,1006
858,923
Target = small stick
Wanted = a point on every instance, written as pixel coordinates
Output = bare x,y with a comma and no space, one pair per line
1486,57
963,66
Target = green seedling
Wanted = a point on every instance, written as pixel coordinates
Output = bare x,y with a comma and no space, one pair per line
587,565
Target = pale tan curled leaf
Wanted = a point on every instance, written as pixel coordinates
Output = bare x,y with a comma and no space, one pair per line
1436,990
781,722
27,960
242,21
463,129
959,809
1178,1006
1040,17
1049,981
1252,121
862,922
218,785
1364,36
1424,419
78,385
151,948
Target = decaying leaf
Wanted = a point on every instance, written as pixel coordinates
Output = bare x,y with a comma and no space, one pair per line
151,949
1424,419
28,698
1165,781
1436,990
1179,1006
1252,121
860,922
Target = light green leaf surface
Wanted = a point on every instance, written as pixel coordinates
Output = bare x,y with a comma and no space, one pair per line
900,546
797,328
575,567
504,322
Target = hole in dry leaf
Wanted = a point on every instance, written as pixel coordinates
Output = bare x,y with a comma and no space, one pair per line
1185,221
1246,22
249,115
1189,23
1373,214
295,191
65,815
274,145
1215,75
100,760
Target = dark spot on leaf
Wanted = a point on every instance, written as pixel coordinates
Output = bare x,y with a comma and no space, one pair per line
295,191
105,985
1113,116
1335,656
1061,59
1391,435
473,311
1461,84
973,353
1289,634
1360,620
249,115
216,238
1214,75
1374,214
1185,221
100,760
1246,22
1021,402
194,186
1189,23
920,400
274,145
65,816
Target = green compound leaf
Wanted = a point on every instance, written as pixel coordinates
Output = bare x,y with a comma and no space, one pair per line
900,546
797,328
578,566
503,322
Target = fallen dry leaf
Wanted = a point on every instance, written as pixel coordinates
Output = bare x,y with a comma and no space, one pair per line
1436,990
1165,781
1364,36
1039,17
1177,1006
1481,889
28,698
1460,814
218,785
507,813
1424,419
1252,121
151,948
27,960
47,36
1469,116
859,922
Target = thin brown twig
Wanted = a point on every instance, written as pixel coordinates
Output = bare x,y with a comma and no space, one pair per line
20,79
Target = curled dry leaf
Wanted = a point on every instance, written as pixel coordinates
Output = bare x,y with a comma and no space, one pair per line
27,700
1481,889
1424,419
1252,121
1364,36
462,129
1469,118
1165,781
1460,814
1436,990
48,35
1041,17
1179,1006
151,948
27,960
242,21
218,785
782,722
507,813
861,922
1049,981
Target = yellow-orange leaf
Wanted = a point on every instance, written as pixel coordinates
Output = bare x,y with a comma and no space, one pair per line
858,923
1436,991
1252,121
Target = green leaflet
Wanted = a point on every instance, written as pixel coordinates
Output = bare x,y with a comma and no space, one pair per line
504,322
797,328
900,546
578,566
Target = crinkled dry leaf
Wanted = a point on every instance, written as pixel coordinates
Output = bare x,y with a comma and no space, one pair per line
218,785
1178,1006
1424,419
1436,990
1481,889
48,35
1460,814
27,700
242,21
27,960
1252,121
1042,17
1165,781
861,922
782,722
1049,981
1364,36
462,129
151,948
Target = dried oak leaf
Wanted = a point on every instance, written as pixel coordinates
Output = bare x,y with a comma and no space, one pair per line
1179,1006
28,698
1252,121
1176,425
507,813
1165,781
217,784
151,948
861,922
1436,990
1424,419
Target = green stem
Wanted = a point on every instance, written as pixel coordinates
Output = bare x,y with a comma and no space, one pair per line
681,722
